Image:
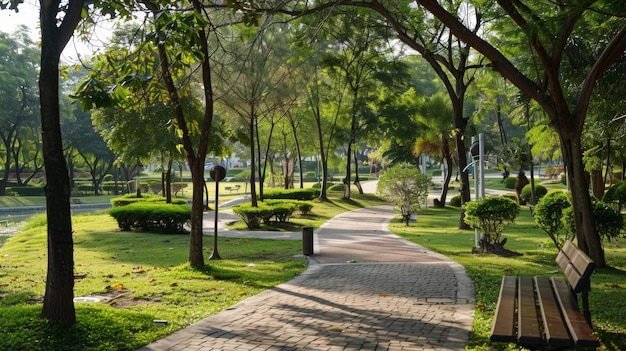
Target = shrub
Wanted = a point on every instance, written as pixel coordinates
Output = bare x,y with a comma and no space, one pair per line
27,191
608,221
455,201
292,194
616,194
510,196
309,177
254,216
548,216
151,216
491,216
303,206
563,178
509,182
132,198
540,191
339,187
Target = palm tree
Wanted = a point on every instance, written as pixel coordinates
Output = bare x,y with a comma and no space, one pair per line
437,121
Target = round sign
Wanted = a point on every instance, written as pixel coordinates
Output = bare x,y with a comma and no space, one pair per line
218,173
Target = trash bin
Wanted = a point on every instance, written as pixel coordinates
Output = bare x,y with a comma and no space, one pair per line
307,241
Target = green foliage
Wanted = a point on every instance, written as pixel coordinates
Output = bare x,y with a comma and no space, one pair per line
509,182
27,190
303,206
404,184
491,216
616,194
339,187
510,196
128,199
152,216
292,194
564,179
548,216
540,191
456,201
254,216
608,221
243,176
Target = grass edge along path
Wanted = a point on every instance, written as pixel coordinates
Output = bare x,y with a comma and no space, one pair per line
142,277
437,229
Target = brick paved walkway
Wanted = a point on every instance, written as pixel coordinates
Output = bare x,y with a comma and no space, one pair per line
396,296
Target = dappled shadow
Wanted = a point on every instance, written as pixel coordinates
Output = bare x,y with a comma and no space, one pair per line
349,307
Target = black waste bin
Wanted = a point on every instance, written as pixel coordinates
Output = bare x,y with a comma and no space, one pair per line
307,241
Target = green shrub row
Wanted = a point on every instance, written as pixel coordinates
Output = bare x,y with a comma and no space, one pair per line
152,216
303,206
132,198
26,191
292,194
254,216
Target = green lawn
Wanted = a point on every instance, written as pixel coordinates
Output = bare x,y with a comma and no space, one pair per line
149,276
146,276
437,229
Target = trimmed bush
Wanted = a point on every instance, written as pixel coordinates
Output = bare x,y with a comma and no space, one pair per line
303,206
548,216
491,216
340,187
26,191
540,191
510,196
509,182
132,198
608,221
292,194
254,216
563,178
152,217
455,201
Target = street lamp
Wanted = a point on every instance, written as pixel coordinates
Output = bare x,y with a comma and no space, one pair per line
217,173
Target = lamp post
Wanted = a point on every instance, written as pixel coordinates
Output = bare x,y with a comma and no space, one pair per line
217,173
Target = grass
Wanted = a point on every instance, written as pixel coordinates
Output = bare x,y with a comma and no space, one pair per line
437,229
145,275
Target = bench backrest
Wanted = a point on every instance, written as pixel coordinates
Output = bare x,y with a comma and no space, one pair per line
576,266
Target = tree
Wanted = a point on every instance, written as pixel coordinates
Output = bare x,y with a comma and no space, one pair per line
58,21
436,138
407,186
550,30
250,86
19,98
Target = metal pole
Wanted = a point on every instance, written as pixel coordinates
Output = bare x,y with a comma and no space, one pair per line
215,255
481,160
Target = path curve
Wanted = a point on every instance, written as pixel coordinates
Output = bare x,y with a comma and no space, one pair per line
395,295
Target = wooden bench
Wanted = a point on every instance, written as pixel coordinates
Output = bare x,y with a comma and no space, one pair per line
541,312
233,188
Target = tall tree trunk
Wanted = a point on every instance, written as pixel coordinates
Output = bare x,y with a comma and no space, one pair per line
58,302
346,179
586,234
357,179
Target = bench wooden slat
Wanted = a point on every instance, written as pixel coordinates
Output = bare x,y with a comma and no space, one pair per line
579,329
528,332
540,311
503,329
554,327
